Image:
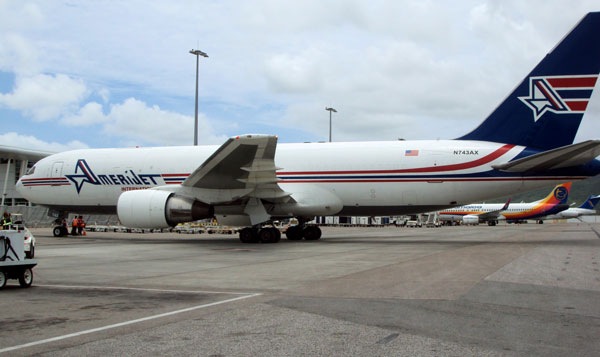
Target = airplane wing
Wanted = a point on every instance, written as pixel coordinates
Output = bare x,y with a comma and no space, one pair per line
243,167
565,156
15,153
492,215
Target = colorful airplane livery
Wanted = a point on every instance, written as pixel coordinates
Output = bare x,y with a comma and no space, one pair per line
524,144
586,209
491,213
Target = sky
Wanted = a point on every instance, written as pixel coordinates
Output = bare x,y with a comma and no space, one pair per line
79,74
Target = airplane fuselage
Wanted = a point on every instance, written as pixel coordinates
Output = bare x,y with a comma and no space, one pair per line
516,211
572,213
370,178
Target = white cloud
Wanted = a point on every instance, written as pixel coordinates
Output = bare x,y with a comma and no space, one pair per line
104,94
133,119
292,74
15,15
31,142
416,69
89,114
18,55
44,97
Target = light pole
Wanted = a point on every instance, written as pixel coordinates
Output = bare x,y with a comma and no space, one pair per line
197,53
330,111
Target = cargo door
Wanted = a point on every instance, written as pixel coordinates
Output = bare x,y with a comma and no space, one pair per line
57,169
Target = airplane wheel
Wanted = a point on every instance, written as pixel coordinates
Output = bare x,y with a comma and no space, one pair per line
277,233
26,278
248,235
312,233
294,233
269,235
540,222
57,231
2,279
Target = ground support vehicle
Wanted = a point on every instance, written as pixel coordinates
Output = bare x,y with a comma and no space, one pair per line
13,264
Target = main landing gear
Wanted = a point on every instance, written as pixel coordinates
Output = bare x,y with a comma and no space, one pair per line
272,235
306,232
260,235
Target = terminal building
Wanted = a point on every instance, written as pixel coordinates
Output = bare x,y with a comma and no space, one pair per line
14,163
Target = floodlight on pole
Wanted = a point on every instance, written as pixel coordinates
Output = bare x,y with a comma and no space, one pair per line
197,53
330,110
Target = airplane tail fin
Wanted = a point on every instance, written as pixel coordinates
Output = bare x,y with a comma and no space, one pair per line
559,195
505,207
591,202
545,109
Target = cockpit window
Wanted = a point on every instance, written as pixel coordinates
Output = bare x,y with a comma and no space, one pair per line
30,171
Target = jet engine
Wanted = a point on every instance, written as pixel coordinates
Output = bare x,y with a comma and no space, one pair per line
470,219
159,209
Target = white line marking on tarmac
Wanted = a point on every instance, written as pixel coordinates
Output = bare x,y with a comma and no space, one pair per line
140,289
130,322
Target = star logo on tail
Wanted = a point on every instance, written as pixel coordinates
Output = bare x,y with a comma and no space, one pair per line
559,94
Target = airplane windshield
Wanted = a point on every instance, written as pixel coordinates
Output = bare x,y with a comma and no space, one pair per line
30,171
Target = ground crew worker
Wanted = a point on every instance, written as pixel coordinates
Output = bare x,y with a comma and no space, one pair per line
80,225
6,220
74,226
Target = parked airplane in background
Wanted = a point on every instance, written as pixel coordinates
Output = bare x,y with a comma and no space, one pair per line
586,209
491,213
525,143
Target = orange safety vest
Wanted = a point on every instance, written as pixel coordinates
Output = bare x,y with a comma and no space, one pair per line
75,221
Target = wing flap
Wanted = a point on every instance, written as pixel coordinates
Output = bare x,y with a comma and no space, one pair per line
566,156
244,163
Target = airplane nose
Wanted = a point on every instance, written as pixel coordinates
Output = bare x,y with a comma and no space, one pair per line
20,188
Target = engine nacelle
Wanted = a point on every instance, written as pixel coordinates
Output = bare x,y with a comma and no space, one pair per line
470,219
159,209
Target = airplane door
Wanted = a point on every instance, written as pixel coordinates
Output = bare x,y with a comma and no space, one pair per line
57,169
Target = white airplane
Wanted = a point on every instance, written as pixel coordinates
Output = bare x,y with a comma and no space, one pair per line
526,143
586,209
476,213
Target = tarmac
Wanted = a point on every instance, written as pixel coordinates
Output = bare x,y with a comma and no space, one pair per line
508,290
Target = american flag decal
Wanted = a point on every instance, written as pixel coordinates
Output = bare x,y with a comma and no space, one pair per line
559,94
411,153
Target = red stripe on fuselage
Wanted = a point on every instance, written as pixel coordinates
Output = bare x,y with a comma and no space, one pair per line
175,175
45,179
437,180
454,167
